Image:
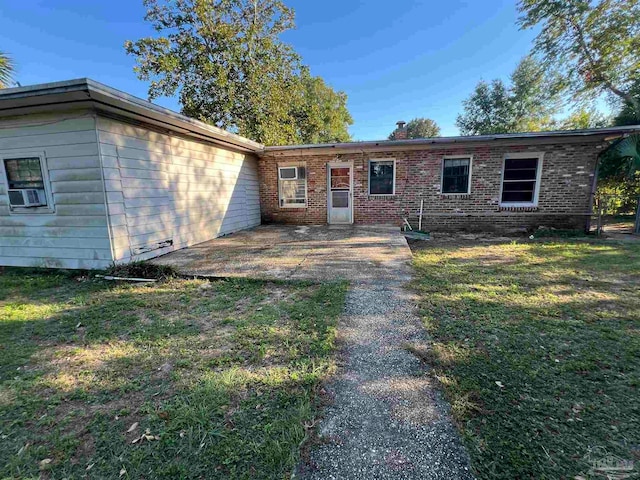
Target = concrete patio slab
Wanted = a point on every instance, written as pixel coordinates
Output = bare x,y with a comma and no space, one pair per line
287,252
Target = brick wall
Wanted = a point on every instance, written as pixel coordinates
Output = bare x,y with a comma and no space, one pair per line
564,198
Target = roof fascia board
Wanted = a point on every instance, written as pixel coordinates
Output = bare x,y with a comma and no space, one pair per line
537,138
382,147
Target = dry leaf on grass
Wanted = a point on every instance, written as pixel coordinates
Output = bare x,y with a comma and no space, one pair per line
145,436
132,427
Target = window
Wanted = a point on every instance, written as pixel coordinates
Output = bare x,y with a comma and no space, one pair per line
521,179
456,175
26,181
382,177
292,185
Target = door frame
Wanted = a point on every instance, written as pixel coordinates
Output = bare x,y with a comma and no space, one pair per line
340,165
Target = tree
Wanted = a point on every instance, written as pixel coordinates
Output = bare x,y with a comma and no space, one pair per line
584,118
322,116
225,61
621,160
6,70
593,45
619,164
420,128
628,115
619,172
526,104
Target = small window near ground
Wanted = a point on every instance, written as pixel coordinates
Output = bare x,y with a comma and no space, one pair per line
382,176
26,183
520,180
456,175
292,185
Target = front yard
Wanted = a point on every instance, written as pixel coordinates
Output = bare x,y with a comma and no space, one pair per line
180,379
537,347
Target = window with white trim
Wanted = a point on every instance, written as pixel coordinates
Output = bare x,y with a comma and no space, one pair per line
521,179
456,175
292,186
27,182
382,177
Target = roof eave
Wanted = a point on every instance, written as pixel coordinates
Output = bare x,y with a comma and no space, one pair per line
89,93
592,135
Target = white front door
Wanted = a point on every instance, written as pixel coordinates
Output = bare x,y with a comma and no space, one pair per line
340,191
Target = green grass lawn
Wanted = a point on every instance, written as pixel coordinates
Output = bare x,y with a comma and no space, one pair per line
537,347
180,379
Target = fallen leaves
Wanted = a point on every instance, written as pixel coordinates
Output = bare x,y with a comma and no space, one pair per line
132,427
145,436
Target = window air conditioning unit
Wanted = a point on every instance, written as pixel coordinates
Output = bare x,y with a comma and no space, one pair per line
27,197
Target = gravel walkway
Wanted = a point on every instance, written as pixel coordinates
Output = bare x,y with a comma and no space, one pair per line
386,420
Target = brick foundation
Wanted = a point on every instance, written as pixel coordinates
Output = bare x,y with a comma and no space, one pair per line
564,197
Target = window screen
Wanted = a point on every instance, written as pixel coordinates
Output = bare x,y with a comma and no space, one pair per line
519,180
292,186
381,177
23,173
455,175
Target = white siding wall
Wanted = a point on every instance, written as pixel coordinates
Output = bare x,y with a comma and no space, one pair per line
76,234
163,188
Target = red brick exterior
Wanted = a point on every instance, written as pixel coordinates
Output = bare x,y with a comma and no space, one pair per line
564,198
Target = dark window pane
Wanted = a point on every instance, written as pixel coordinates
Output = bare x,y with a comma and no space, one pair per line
519,186
520,163
517,196
24,173
455,175
519,180
520,174
381,178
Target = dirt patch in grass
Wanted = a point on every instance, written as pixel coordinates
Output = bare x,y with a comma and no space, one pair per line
218,378
533,349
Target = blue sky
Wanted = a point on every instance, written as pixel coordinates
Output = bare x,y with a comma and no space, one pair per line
395,60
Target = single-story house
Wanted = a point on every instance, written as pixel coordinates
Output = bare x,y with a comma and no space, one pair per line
90,176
